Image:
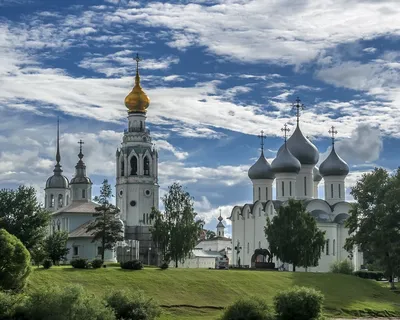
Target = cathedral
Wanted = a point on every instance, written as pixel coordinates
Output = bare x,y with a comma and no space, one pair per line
137,189
295,175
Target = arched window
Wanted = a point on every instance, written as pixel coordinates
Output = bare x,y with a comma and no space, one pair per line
134,166
51,200
122,168
141,125
147,218
259,244
60,200
58,225
332,190
67,203
339,191
146,166
327,247
283,189
333,246
83,193
290,188
305,186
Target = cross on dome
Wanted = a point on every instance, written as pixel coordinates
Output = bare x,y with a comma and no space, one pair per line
262,137
333,132
299,106
137,59
80,155
285,129
220,216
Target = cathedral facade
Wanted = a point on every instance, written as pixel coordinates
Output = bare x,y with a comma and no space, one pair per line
294,175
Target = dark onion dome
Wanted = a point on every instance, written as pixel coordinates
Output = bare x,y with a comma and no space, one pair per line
302,148
57,181
333,165
261,169
316,175
285,162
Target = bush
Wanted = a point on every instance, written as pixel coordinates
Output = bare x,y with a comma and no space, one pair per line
132,306
132,265
80,263
14,263
8,304
47,264
299,303
97,263
249,308
66,303
375,275
344,267
164,266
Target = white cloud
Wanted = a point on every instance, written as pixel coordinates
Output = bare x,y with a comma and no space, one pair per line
370,50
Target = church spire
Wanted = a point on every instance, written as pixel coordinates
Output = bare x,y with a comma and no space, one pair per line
220,226
57,168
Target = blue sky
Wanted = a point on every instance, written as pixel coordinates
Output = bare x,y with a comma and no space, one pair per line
217,72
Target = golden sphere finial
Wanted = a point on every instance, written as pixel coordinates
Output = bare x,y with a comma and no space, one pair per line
137,100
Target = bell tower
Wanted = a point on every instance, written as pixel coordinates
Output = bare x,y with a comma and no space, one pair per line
137,166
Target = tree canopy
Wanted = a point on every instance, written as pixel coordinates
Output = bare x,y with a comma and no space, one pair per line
106,228
374,222
176,230
22,215
294,237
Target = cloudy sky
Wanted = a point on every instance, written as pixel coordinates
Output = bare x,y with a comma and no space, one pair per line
217,72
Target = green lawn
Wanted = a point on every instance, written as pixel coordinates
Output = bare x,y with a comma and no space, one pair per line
205,291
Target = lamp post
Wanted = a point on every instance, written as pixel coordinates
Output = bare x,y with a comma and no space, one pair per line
148,256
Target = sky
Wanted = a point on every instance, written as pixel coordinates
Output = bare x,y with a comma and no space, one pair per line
217,73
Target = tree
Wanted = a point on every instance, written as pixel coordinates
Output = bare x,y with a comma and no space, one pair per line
294,237
56,246
38,254
106,228
374,220
210,234
176,231
22,216
14,262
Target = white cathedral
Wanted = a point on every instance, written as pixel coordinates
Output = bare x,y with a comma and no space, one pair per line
295,175
136,188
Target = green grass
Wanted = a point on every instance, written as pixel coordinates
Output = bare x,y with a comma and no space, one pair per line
204,291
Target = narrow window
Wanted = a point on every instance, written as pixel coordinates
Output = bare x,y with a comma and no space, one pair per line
305,186
146,166
266,194
147,218
58,225
83,193
248,247
76,250
67,200
134,166
259,244
60,200
333,246
141,125
259,212
122,168
144,218
290,188
283,189
259,193
99,251
327,247
332,190
340,191
51,200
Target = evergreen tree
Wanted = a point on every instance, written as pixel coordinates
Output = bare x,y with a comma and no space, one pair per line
294,237
56,246
22,216
210,234
176,231
375,219
106,228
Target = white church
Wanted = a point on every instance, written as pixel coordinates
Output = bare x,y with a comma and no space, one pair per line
294,174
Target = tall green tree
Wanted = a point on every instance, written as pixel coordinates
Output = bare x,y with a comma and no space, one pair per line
374,222
22,215
55,246
176,230
106,228
210,234
294,237
14,262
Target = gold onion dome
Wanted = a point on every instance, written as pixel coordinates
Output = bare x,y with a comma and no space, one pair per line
137,100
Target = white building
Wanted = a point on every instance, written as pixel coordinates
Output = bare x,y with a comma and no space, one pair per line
294,174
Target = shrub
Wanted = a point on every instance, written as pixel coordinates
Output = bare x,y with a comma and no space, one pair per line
14,263
80,263
132,306
66,303
47,264
375,275
132,265
299,303
344,267
249,308
97,263
164,266
8,304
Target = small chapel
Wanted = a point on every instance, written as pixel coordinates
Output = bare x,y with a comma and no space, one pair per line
293,174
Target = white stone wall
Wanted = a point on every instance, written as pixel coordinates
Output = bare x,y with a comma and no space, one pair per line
88,250
196,263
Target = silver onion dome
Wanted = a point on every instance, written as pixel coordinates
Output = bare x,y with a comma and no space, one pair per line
302,148
333,165
261,169
316,175
285,161
57,181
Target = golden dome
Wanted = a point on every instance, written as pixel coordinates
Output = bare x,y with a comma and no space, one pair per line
137,100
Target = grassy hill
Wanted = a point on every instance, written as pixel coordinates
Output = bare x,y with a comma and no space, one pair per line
205,292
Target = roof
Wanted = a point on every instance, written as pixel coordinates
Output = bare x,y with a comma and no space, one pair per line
261,169
218,238
79,206
206,254
80,232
